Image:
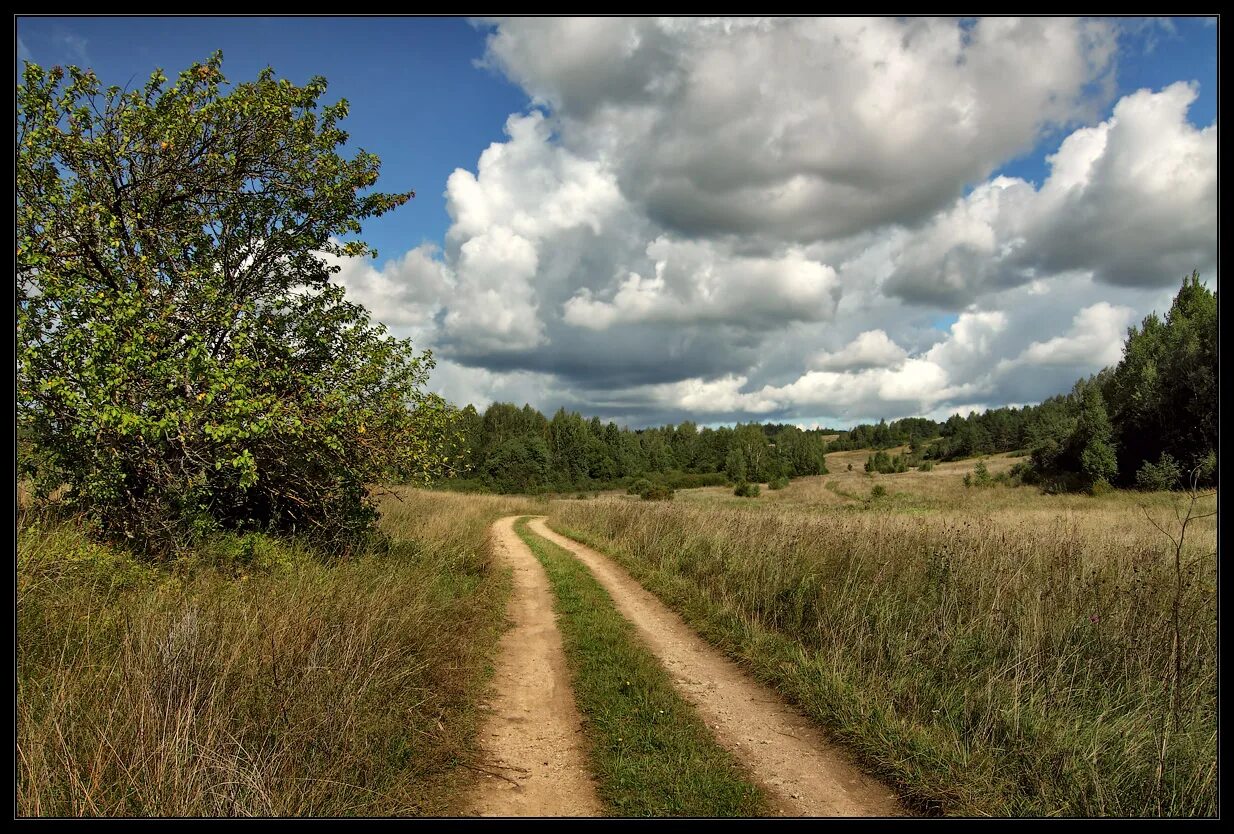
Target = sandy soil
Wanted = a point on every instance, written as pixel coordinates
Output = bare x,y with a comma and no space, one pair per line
535,764
803,773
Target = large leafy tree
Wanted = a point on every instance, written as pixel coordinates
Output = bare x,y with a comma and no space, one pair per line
185,362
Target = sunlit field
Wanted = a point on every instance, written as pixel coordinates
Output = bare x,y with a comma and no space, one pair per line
989,650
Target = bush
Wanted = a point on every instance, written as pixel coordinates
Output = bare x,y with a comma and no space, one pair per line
690,480
1160,476
778,483
746,489
979,477
1026,473
649,491
926,466
1100,487
885,464
878,491
658,492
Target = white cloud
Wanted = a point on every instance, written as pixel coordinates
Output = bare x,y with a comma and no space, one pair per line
722,219
871,349
801,129
720,395
404,293
527,192
1096,336
1131,201
695,282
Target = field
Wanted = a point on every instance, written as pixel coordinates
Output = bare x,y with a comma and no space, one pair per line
989,651
253,679
986,651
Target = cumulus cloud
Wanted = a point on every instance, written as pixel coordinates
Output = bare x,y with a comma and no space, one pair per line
404,293
1134,199
1131,201
693,282
527,192
1096,336
871,349
800,129
736,219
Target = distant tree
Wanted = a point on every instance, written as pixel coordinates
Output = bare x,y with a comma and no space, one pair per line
1093,435
520,464
735,465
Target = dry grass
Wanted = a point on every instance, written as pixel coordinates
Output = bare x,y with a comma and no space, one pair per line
991,651
255,679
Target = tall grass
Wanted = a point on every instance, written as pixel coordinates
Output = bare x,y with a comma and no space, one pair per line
1009,668
253,678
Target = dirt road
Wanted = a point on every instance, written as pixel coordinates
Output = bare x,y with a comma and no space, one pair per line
532,739
803,773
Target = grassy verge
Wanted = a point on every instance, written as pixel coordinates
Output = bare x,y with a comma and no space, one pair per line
651,754
983,669
253,678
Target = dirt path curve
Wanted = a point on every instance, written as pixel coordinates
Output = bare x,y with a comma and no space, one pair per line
532,735
803,773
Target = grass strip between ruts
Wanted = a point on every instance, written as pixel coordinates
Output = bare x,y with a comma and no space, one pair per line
650,752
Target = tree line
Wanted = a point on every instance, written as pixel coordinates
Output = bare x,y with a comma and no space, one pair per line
513,449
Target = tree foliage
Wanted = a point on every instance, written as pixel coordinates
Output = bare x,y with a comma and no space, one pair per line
513,449
184,360
1163,394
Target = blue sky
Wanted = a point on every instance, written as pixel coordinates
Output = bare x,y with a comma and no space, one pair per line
614,251
417,100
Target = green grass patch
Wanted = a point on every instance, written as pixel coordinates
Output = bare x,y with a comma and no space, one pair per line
651,753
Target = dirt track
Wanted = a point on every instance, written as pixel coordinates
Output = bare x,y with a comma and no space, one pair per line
803,773
531,738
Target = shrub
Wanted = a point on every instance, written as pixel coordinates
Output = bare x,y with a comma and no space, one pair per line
926,466
649,491
878,491
778,483
885,464
1100,487
658,492
639,487
1162,475
979,477
689,480
1026,473
746,489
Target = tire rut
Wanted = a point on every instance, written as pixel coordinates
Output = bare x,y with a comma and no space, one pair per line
534,748
803,773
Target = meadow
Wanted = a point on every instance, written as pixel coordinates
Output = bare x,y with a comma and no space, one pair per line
987,650
252,677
